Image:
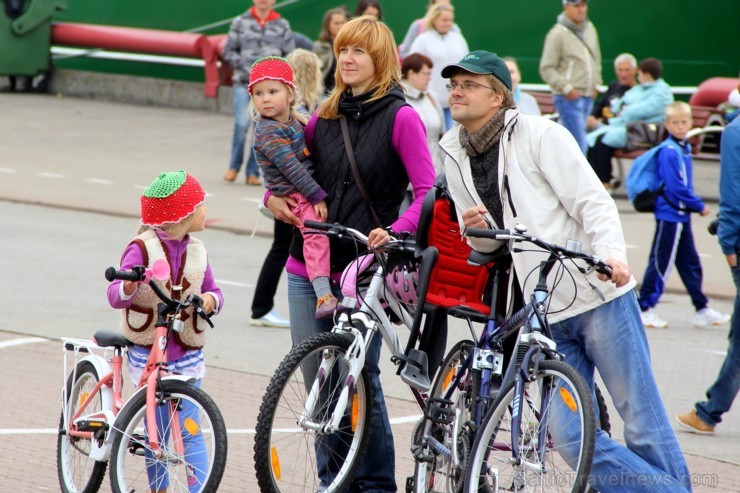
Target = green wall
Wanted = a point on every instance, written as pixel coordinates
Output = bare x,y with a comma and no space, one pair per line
694,40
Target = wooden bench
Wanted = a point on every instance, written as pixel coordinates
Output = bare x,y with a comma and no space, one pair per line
704,136
544,101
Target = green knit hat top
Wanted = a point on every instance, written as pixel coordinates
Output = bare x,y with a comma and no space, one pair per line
170,198
165,184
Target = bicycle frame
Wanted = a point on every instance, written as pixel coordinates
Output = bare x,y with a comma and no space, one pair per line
373,317
110,389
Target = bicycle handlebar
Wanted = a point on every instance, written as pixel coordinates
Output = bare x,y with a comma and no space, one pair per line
521,236
335,229
138,273
113,274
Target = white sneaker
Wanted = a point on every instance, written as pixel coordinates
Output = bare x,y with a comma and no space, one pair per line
707,317
272,319
651,320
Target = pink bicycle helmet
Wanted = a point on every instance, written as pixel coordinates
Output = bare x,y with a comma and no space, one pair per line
401,281
357,275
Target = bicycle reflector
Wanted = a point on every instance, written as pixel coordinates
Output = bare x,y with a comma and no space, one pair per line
275,462
355,411
191,426
568,399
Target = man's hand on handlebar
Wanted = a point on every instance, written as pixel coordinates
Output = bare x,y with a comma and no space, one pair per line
280,207
621,273
475,217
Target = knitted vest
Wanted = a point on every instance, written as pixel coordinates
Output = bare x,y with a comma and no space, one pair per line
138,320
380,167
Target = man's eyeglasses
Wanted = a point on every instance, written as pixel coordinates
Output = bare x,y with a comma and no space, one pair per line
465,86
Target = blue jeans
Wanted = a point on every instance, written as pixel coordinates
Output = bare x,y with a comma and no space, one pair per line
573,115
376,472
721,394
242,122
611,338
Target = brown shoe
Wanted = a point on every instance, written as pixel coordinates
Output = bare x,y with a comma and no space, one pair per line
254,181
693,423
230,174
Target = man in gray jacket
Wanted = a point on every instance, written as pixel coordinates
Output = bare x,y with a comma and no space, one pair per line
258,32
505,168
571,66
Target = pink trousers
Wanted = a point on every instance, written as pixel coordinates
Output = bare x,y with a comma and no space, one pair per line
315,246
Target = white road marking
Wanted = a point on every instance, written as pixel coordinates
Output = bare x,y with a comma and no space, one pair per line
8,170
29,431
234,431
250,199
712,351
634,247
50,175
99,181
20,342
233,283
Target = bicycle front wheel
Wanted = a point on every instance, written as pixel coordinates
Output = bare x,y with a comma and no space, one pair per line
555,437
191,436
77,472
296,447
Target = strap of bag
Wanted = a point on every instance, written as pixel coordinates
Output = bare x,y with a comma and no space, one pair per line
661,192
355,171
590,51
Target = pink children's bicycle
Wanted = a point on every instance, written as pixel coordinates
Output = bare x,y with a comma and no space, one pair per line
168,436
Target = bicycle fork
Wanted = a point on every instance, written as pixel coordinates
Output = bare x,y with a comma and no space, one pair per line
355,359
153,403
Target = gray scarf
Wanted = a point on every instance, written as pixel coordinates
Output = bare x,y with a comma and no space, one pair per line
480,141
578,29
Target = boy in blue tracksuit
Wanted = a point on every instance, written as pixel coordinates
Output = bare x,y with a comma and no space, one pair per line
673,242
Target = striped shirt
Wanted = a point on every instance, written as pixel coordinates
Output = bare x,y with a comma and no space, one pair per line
191,364
280,150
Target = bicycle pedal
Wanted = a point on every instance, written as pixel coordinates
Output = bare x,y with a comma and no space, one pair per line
438,410
93,425
410,484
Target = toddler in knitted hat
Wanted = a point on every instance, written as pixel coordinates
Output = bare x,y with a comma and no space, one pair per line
171,208
280,150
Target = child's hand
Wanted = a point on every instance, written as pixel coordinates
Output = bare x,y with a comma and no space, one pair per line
321,210
705,211
209,303
129,287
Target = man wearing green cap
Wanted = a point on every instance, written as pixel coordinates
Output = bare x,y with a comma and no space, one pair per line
504,168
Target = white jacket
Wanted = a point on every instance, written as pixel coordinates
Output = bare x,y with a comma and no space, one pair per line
556,195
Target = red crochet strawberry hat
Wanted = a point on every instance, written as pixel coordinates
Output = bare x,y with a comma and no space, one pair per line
171,198
271,68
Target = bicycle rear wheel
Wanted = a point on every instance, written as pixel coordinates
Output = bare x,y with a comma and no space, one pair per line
449,402
77,472
555,437
294,448
202,438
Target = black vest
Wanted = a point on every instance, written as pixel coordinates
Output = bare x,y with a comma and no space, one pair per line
382,171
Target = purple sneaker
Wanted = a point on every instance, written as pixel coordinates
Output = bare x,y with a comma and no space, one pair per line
325,306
